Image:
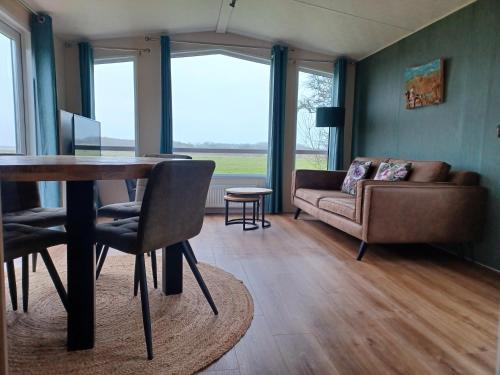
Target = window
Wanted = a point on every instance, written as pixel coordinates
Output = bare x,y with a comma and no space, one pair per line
114,92
311,149
12,128
220,108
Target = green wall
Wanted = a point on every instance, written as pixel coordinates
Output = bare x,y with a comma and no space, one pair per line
462,130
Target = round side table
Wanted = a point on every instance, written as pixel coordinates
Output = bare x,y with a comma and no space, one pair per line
248,224
252,192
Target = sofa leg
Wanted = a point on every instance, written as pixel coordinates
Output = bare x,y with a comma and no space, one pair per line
362,249
297,213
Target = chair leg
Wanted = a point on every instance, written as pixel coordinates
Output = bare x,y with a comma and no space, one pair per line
101,261
199,279
154,269
34,257
362,249
136,278
55,277
146,318
297,213
98,251
25,261
190,250
11,275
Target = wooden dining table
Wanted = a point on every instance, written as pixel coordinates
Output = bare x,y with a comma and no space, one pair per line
80,174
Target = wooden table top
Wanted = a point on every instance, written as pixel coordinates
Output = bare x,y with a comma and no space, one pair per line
249,191
74,168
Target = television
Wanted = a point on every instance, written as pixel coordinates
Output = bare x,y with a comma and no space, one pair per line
79,135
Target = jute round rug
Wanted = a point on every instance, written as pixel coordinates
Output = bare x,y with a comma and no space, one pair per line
186,335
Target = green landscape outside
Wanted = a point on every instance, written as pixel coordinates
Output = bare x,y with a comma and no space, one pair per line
240,163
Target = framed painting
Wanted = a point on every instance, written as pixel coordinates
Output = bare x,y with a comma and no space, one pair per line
424,84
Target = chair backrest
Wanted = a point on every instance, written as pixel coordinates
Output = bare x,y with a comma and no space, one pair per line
173,207
112,191
18,196
168,156
142,182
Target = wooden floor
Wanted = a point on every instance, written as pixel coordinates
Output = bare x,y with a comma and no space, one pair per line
402,310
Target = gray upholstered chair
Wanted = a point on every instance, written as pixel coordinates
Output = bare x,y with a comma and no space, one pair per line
19,242
21,205
126,210
172,212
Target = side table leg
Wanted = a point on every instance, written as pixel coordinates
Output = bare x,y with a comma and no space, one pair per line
227,212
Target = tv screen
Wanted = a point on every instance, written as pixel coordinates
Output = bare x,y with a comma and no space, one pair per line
66,141
87,136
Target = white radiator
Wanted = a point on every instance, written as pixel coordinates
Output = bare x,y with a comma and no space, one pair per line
216,192
215,198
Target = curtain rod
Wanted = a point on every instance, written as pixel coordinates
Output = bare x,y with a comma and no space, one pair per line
314,61
150,38
27,7
140,50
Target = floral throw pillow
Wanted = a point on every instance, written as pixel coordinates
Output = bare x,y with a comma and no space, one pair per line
357,171
392,171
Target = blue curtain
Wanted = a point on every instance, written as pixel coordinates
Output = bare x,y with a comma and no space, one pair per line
279,59
336,141
47,137
87,79
166,142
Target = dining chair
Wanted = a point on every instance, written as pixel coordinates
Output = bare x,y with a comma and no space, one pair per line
172,212
21,205
126,210
19,242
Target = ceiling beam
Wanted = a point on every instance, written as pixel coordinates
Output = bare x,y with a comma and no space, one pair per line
226,9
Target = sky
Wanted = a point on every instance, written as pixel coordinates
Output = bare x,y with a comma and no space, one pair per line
217,98
7,104
114,93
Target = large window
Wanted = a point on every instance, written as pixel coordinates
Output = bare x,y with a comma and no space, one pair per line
221,111
12,127
311,150
114,91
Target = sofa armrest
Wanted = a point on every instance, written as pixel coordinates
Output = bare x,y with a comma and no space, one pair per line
415,213
314,179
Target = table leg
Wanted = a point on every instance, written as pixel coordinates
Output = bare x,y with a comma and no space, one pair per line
81,217
172,269
265,223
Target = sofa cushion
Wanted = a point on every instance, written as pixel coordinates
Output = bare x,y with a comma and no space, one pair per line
392,171
426,170
313,196
374,166
357,171
341,206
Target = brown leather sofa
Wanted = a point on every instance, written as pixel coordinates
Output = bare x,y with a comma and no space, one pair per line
433,205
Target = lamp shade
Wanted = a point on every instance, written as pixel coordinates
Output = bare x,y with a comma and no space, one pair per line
329,117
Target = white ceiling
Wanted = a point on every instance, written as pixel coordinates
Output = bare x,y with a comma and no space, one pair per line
355,28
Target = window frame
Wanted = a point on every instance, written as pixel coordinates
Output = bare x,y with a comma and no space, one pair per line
308,70
18,73
119,59
238,55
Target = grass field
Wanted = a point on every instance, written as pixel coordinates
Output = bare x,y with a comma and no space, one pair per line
239,163
253,164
